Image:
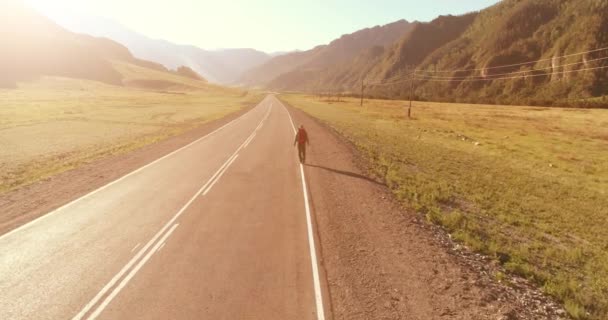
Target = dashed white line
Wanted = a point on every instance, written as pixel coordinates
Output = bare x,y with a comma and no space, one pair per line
135,248
141,252
249,140
258,128
120,179
220,175
126,280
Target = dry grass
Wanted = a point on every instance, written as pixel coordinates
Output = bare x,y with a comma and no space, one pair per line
55,124
526,185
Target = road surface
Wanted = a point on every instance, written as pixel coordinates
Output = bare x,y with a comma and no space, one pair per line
219,229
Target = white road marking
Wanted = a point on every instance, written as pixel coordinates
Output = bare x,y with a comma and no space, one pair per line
126,280
133,260
311,239
249,140
120,179
258,127
262,123
220,175
161,246
135,248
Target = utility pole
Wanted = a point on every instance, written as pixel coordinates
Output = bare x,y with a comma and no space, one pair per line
362,92
409,110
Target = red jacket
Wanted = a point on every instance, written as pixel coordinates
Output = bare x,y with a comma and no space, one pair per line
302,136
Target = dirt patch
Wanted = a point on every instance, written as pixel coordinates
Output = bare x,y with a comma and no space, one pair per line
385,262
32,201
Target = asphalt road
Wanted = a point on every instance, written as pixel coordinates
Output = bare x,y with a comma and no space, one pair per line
219,229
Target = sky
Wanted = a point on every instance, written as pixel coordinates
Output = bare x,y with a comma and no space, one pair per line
267,25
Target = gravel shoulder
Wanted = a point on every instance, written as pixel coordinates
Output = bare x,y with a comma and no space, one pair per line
383,261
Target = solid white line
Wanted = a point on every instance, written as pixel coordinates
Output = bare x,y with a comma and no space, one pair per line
161,246
220,176
119,275
313,251
126,280
122,178
135,248
311,239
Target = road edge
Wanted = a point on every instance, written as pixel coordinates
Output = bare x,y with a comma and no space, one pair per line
92,177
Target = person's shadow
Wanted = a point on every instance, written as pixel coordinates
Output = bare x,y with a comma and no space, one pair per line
347,173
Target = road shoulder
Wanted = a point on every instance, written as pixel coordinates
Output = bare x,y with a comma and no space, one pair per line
383,262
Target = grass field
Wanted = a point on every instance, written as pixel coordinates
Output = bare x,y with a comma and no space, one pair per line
55,124
526,185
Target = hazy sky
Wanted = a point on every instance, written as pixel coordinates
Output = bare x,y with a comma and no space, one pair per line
269,25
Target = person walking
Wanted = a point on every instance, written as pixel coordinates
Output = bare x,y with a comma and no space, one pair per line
301,140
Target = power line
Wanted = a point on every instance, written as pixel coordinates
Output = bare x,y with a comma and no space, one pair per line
516,72
414,75
399,80
487,79
380,81
393,82
408,76
508,78
516,64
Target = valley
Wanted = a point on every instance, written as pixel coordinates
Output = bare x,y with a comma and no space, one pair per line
450,164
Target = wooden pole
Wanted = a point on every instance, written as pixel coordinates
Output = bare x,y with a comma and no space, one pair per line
409,110
362,92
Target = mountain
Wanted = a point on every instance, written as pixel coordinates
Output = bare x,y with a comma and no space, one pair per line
303,64
42,48
513,32
378,62
459,58
222,66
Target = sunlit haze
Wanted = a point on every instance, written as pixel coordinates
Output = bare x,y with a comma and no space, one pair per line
269,25
304,159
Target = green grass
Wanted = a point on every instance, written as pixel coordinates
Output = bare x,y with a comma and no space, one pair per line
55,124
526,185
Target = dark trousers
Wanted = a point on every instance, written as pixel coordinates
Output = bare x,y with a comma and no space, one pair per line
302,152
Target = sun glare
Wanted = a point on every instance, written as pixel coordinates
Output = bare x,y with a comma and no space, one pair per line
58,6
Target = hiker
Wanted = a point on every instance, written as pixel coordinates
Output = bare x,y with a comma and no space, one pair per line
302,141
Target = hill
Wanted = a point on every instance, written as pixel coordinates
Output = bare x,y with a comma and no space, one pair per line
42,48
515,32
280,72
189,73
461,58
221,66
380,62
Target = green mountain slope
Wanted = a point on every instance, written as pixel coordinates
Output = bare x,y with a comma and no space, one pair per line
381,63
459,58
513,32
